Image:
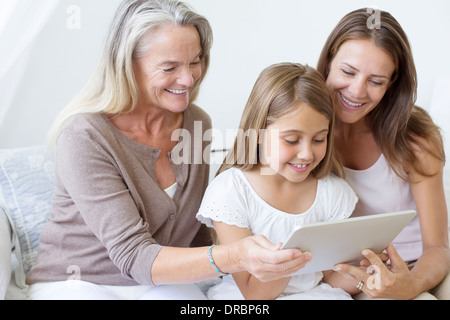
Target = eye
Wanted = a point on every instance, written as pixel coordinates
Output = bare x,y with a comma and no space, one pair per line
320,139
377,83
348,73
169,70
291,139
292,142
168,67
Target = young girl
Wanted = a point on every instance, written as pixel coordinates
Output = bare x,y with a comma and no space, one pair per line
282,173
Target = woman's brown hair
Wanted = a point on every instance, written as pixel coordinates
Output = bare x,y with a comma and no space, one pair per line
396,122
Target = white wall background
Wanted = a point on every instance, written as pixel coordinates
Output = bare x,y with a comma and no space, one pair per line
249,36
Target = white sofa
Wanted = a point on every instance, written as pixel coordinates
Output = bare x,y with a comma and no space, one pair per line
26,190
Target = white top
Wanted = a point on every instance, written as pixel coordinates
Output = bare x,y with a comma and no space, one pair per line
172,190
380,190
231,199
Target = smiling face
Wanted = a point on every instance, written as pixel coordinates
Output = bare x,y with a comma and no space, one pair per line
360,75
296,143
168,73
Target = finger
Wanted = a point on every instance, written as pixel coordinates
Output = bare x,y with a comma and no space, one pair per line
283,260
267,271
265,243
374,259
397,263
366,263
272,263
384,257
289,260
297,264
291,264
355,272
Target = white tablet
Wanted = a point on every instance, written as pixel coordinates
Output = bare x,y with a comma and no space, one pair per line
343,241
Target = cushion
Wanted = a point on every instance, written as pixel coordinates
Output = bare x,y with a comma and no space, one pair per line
26,192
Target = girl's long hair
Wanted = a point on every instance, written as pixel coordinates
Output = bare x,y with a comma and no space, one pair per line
278,91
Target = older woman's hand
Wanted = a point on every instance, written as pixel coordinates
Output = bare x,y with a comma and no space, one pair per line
264,260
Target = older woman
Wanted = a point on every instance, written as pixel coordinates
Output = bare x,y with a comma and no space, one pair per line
123,221
392,151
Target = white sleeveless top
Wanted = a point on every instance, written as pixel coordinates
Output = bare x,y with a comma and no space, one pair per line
231,199
380,190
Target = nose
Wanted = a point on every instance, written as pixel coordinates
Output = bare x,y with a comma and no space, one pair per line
305,151
186,77
358,88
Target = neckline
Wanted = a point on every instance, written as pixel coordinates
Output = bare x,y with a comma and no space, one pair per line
371,168
123,136
171,190
263,202
180,170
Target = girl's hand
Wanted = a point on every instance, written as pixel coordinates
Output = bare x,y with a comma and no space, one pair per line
381,281
264,260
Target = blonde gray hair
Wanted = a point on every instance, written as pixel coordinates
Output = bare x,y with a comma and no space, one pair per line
112,89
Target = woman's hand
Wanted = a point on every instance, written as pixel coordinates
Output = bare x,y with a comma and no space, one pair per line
379,280
264,260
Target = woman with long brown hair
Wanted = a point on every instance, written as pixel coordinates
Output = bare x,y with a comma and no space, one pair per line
391,150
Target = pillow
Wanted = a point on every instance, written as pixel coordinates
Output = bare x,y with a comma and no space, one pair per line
26,190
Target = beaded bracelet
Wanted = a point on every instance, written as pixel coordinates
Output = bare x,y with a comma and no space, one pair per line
211,260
